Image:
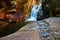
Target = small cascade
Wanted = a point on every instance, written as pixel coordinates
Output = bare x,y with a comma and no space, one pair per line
34,11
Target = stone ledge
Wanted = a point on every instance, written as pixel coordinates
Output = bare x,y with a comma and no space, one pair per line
23,35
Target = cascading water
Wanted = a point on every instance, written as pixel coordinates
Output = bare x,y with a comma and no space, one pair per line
34,11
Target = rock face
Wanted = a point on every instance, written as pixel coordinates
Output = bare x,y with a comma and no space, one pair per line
23,35
2,14
54,22
29,31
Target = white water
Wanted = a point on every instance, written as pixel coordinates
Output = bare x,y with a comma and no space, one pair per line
34,12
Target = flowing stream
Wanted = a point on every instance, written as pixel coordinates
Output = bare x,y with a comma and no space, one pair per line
34,11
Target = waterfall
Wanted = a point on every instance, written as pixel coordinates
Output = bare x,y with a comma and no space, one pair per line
34,11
